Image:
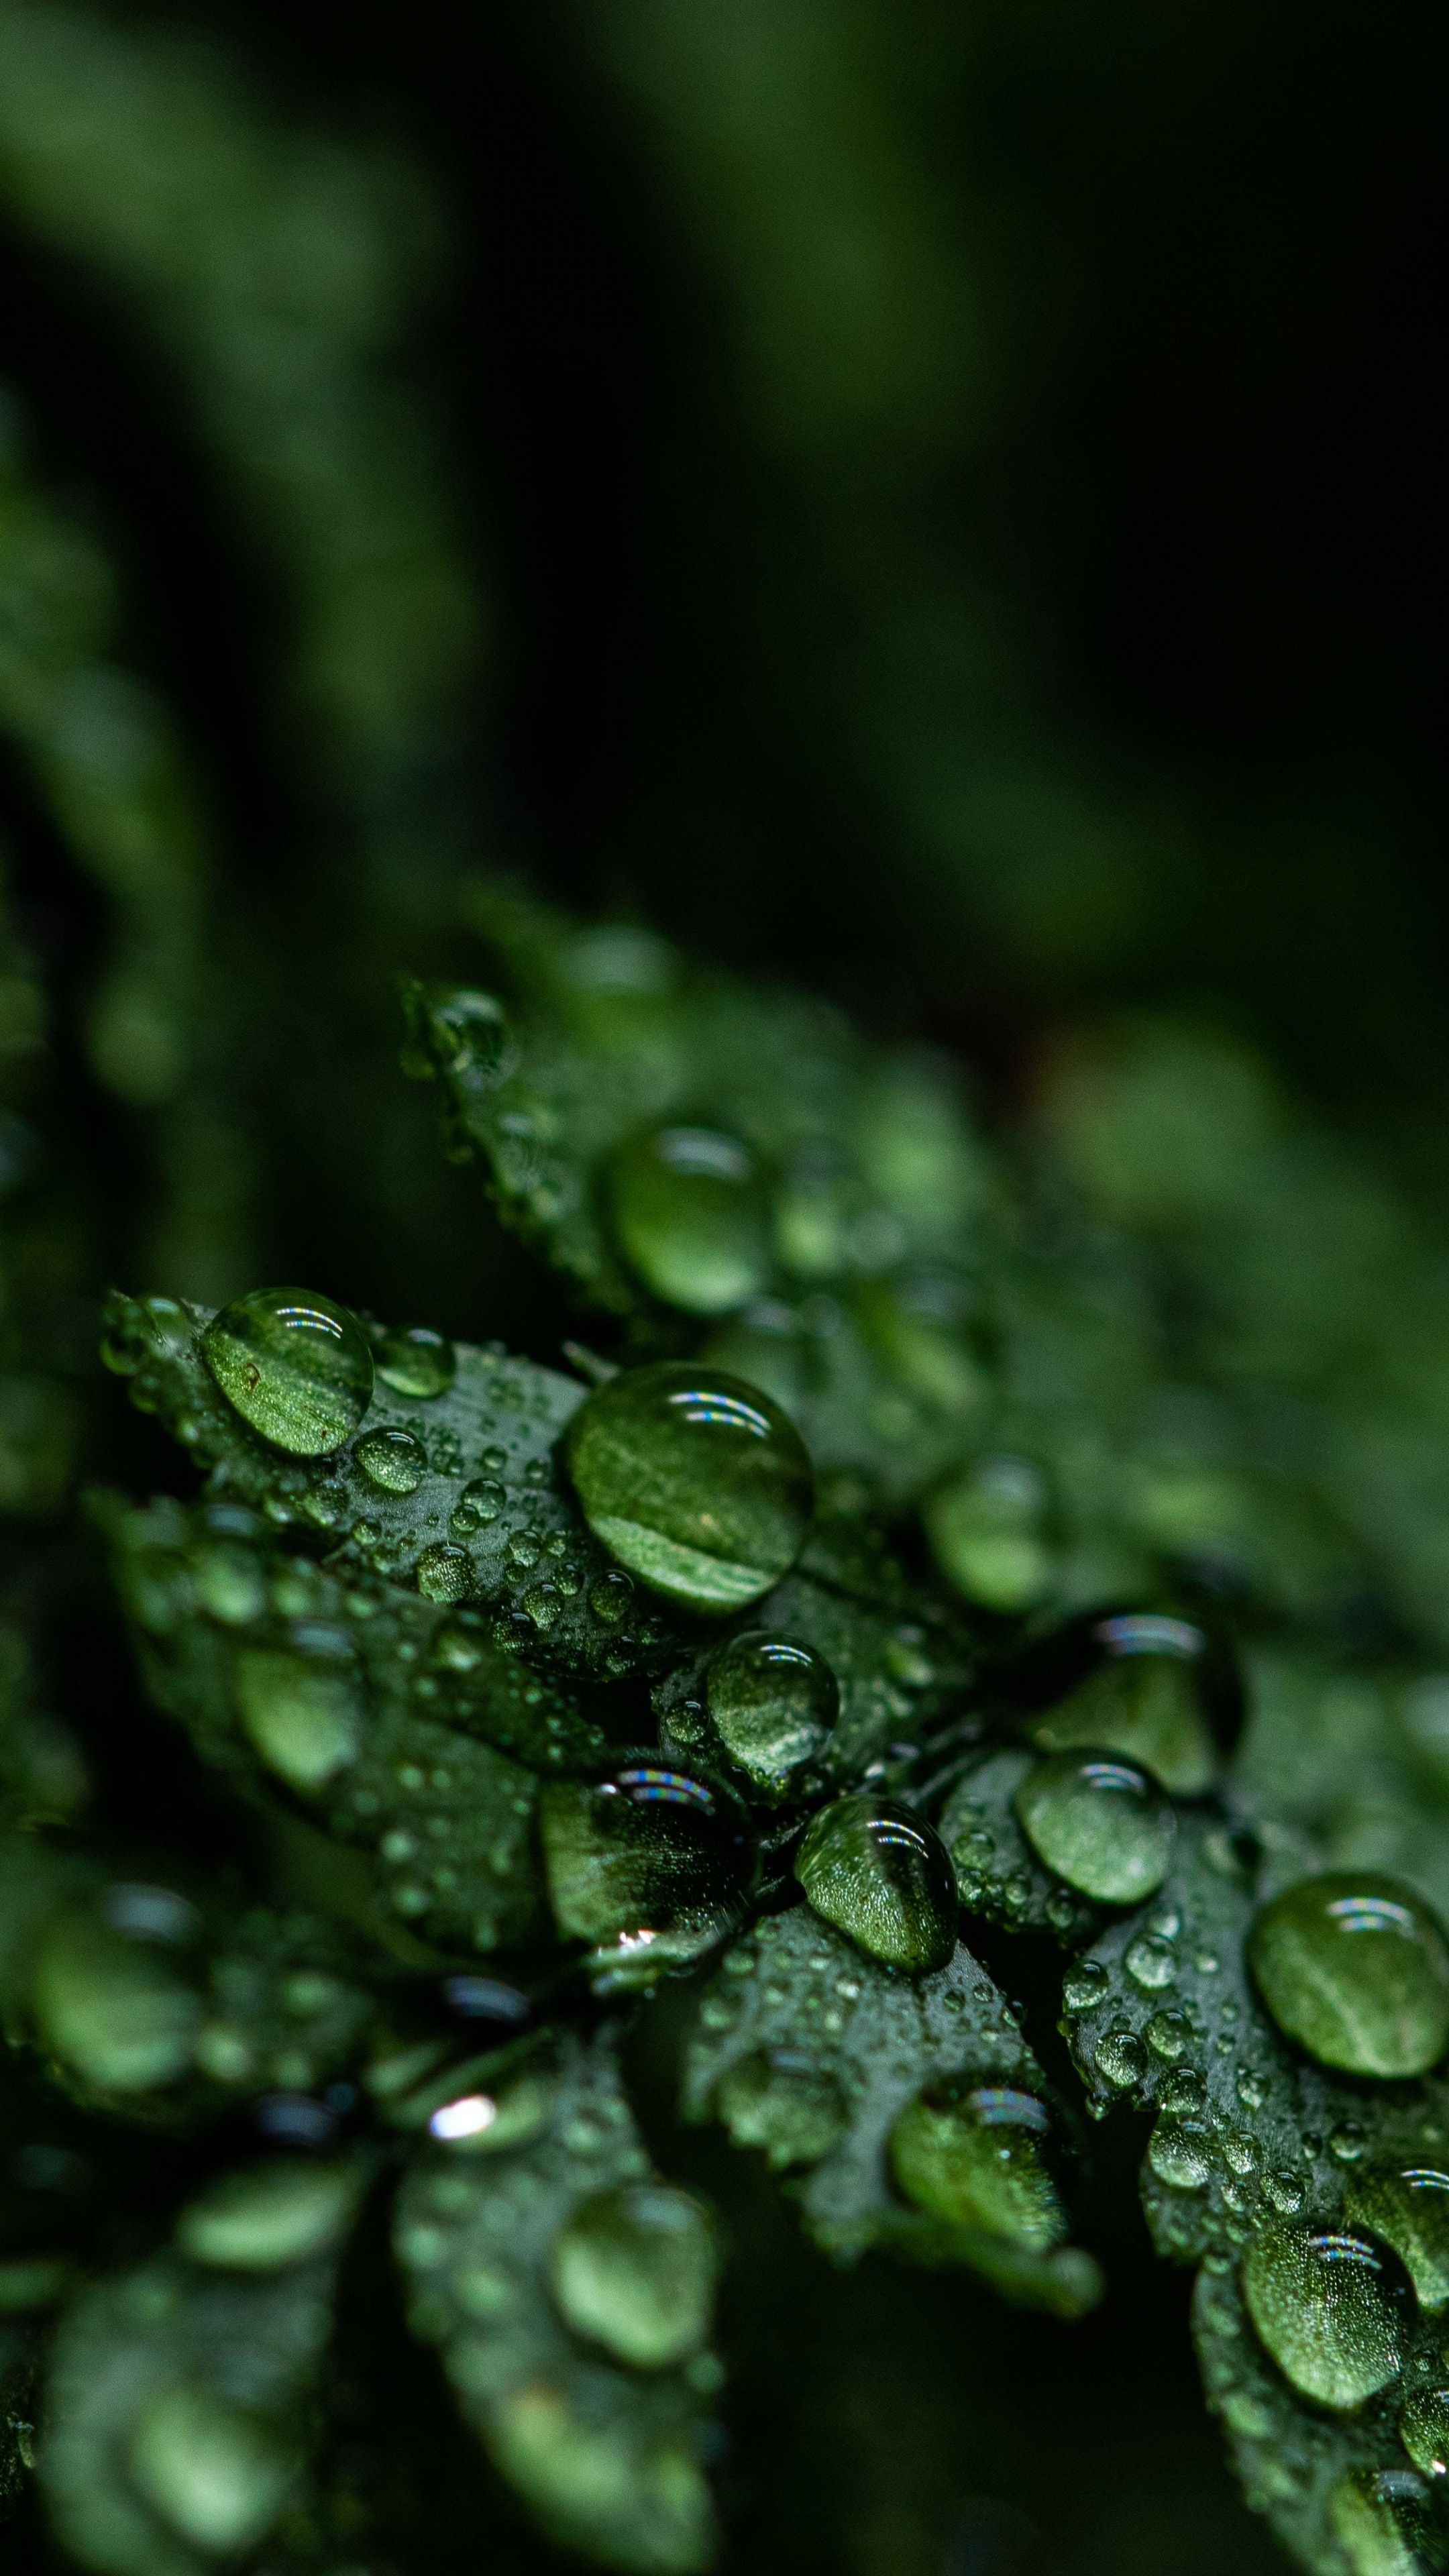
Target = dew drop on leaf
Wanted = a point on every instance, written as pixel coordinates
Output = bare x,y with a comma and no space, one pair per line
302,1707
977,2157
110,2003
648,1859
1354,1967
773,1702
1144,1701
1424,2431
1332,2307
1385,2524
444,1573
284,2211
987,1534
416,1362
394,1459
295,1366
634,2270
696,1482
777,2099
691,1217
884,1877
1102,1825
1408,2206
215,2472
1180,2153
478,1505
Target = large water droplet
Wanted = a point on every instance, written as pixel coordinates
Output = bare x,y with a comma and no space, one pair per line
444,1573
1144,1701
1332,2307
977,2157
882,1875
694,1480
1354,1967
302,1707
416,1362
295,1366
1180,2153
779,2100
635,2270
394,1459
1385,2524
692,1218
108,2000
1408,2206
279,2212
648,1861
1424,2431
773,1702
217,2474
1102,1825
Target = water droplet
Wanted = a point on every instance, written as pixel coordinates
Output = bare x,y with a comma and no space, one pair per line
1384,2523
1180,2153
884,1877
1143,1702
1085,1985
773,1702
776,2099
416,1362
1408,2206
1241,2151
1347,2141
1424,2431
1285,2190
283,2211
987,1533
1355,1968
394,1459
1121,2058
478,1505
692,1218
647,1859
215,2472
1331,2307
1169,2036
1152,1962
302,1708
1184,2092
444,1573
634,2270
977,2157
109,2002
695,1481
1102,1825
295,1366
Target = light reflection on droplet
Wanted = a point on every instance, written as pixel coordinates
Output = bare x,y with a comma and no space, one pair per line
467,2118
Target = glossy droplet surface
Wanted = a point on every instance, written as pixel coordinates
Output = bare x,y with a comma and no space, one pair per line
295,1366
773,1702
1332,2308
1144,1701
884,1877
1354,1967
1101,1824
779,2100
112,2001
692,1218
396,1460
976,2156
648,1860
1408,2206
214,2472
634,2270
444,1573
279,2212
1424,2431
1385,2523
302,1707
696,1482
416,1362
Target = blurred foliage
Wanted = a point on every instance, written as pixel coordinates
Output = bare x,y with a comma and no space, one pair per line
927,507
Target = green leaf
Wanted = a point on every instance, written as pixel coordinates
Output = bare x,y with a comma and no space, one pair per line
180,2395
804,2046
530,2236
516,1542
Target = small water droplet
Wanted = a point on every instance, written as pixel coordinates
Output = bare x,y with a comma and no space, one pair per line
444,1572
1085,1985
1180,2153
648,1859
1169,2036
1408,2206
773,1702
976,2157
293,1365
1424,2431
1120,2058
692,1218
1151,1962
394,1459
634,2270
416,1362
